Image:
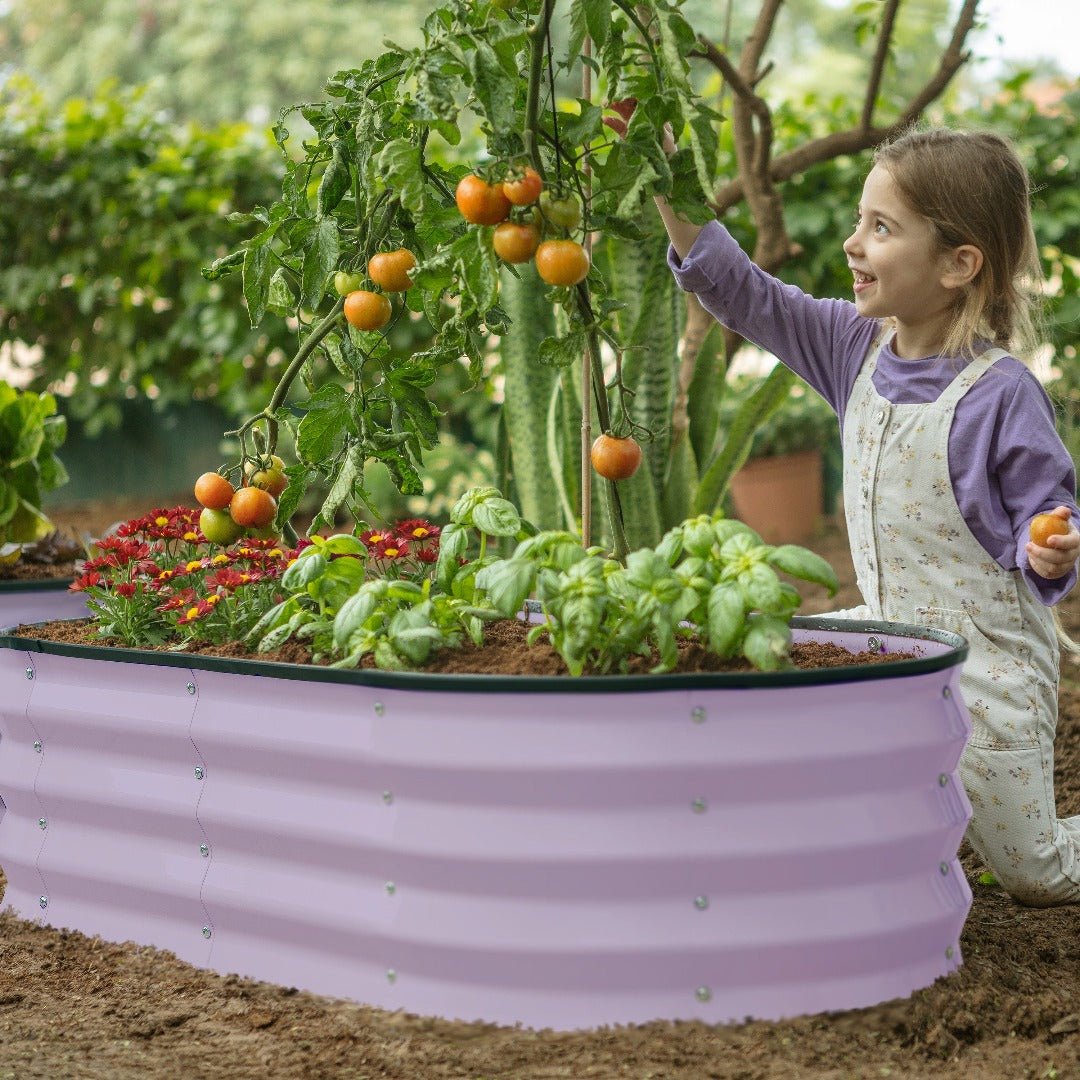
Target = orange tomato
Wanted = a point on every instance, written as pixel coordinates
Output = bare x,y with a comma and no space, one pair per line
390,269
213,491
252,507
562,262
515,243
481,203
367,310
615,459
1043,526
524,190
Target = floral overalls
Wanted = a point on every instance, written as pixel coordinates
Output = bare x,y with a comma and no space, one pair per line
917,561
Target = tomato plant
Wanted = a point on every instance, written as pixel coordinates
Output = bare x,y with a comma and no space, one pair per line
481,203
367,310
390,269
614,458
562,262
514,242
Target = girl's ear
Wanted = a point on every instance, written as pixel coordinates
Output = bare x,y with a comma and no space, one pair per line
961,266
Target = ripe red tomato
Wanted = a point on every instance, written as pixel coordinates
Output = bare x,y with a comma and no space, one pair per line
367,310
481,203
615,459
390,269
218,526
562,262
524,190
564,210
1043,526
251,507
515,243
213,491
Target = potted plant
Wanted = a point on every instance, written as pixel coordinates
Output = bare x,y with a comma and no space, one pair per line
552,849
780,490
36,562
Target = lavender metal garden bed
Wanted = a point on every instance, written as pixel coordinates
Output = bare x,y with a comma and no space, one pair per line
552,852
39,601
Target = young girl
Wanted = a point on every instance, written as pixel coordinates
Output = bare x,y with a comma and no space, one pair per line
949,448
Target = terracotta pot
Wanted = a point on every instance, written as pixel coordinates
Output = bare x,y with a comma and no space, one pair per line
554,852
780,497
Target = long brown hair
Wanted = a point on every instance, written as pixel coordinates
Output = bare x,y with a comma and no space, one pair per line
973,189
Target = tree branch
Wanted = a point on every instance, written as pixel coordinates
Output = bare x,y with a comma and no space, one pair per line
877,69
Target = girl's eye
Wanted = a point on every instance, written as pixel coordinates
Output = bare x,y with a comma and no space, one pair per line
881,229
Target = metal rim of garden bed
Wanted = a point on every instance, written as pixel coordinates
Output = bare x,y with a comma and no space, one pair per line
35,584
955,653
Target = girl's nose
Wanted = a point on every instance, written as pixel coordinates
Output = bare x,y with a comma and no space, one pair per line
851,244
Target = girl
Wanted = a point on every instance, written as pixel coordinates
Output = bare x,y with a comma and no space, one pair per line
950,450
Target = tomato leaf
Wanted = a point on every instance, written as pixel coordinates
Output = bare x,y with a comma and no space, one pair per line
320,259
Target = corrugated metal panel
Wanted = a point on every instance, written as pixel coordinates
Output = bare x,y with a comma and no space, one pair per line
562,860
33,605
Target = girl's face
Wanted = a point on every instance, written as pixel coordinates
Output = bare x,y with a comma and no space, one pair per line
899,268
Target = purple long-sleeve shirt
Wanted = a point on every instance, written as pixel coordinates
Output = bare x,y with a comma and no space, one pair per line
1006,460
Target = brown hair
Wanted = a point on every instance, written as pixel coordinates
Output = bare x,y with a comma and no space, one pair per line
973,189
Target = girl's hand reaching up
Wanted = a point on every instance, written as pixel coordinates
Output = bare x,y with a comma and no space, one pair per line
1054,545
625,108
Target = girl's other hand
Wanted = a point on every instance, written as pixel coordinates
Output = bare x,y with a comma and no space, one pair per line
1055,557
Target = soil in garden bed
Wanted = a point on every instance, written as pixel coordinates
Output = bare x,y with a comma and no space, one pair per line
73,1007
503,652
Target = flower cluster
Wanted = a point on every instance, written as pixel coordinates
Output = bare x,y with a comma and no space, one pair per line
156,579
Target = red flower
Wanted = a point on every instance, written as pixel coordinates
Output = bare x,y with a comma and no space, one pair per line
87,581
417,529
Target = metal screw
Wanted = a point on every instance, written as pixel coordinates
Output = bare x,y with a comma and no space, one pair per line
699,805
388,797
703,993
43,901
946,693
206,931
380,708
191,688
204,850
29,672
701,902
874,644
949,953
37,745
42,823
697,714
944,868
391,888
200,772
391,975
943,780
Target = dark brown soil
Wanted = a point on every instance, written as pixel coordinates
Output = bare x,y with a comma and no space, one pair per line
72,1007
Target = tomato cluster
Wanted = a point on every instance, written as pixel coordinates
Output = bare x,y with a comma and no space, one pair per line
389,270
230,512
558,261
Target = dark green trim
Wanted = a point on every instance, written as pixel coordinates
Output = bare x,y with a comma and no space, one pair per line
20,585
551,684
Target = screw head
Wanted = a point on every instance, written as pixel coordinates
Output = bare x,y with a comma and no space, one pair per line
944,868
391,975
37,745
206,932
949,953
388,797
380,708
191,688
200,772
947,692
29,672
943,780
701,902
699,805
391,888
697,714
874,644
43,901
703,993
204,850
42,823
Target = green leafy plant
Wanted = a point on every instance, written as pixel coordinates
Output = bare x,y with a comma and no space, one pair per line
30,434
803,422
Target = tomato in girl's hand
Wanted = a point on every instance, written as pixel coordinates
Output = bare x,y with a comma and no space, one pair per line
1043,526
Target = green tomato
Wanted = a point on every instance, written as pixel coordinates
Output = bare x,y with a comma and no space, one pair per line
218,527
503,5
564,211
346,282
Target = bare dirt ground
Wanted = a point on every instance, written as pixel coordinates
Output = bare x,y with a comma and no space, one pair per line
73,1007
